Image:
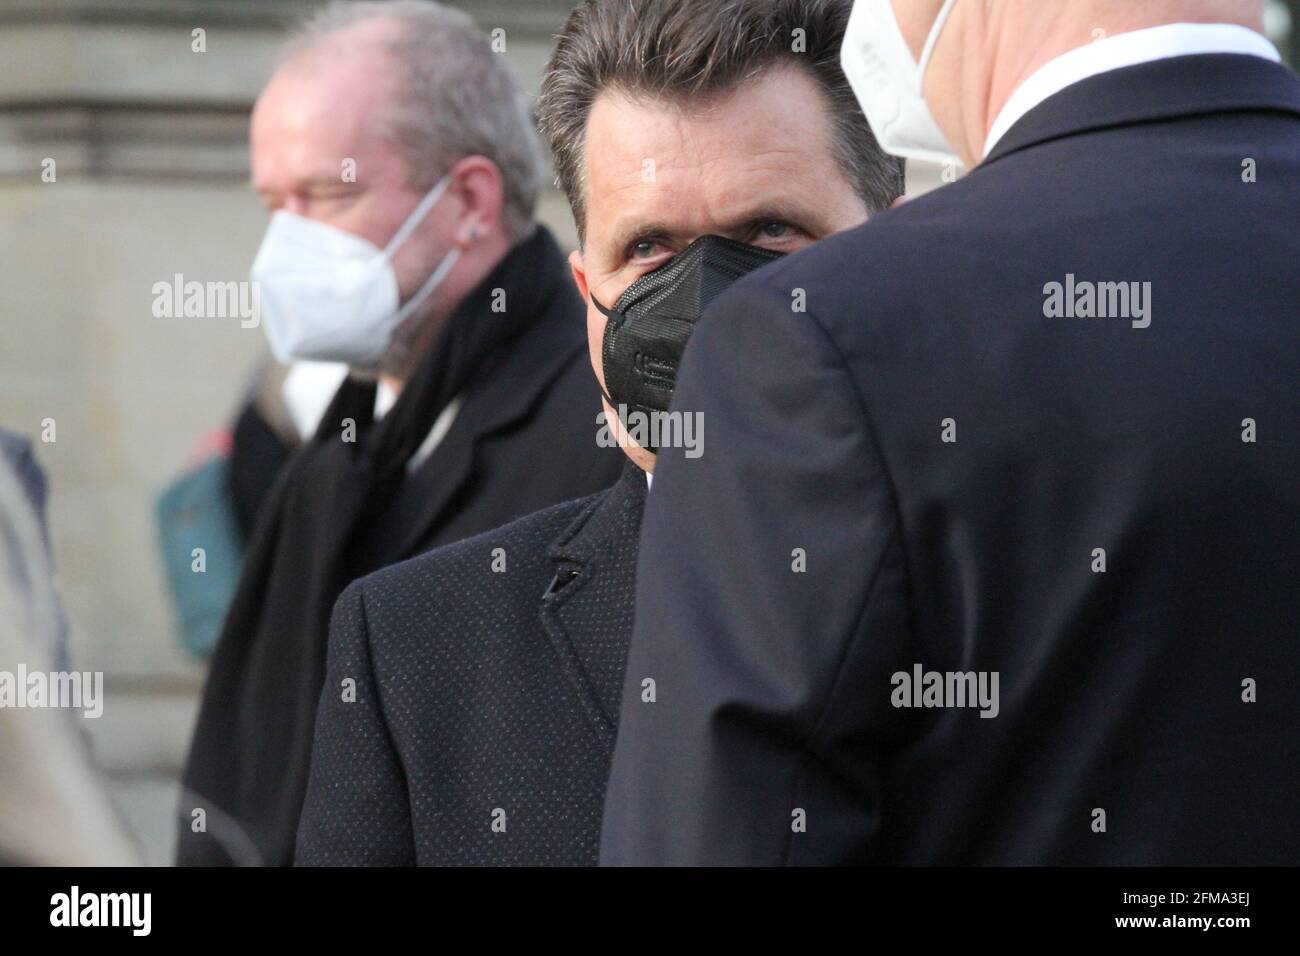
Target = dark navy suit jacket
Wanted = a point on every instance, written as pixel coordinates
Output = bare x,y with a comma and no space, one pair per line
948,464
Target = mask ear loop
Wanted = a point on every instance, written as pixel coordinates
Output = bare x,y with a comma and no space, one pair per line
430,284
412,223
931,40
417,216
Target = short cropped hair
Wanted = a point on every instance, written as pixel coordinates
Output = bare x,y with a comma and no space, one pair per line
684,50
458,99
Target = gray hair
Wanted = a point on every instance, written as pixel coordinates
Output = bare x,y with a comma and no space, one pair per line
460,97
681,50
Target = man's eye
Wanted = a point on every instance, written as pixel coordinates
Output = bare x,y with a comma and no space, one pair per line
644,249
775,230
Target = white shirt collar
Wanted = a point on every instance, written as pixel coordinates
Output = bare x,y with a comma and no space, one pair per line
1121,50
308,388
386,397
441,425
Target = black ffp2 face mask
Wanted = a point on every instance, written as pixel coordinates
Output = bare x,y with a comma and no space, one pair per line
650,323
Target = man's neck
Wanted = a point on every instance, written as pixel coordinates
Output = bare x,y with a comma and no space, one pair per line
1023,45
407,355
404,357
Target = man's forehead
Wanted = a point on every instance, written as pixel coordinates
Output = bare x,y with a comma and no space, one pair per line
317,112
650,163
628,136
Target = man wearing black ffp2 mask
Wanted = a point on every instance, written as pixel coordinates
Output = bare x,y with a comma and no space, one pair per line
647,329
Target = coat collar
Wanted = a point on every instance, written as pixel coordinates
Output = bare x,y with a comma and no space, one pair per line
534,277
601,519
1161,89
513,382
596,545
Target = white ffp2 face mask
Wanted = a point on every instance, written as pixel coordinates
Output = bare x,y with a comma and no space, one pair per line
330,296
887,81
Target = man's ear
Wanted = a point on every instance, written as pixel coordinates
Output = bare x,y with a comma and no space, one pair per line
579,270
482,191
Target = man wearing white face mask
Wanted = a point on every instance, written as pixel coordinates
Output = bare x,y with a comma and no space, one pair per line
993,537
401,170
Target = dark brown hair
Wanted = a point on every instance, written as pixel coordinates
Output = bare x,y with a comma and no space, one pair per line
686,49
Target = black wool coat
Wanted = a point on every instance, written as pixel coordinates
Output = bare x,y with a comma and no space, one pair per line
471,697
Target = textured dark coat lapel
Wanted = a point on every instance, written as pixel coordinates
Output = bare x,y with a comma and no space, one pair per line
589,567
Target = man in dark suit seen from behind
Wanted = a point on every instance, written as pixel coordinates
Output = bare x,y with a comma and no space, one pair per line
992,556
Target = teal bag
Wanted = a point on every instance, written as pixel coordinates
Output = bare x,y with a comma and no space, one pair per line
201,551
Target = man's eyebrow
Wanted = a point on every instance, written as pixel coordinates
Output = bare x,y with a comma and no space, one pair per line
310,184
793,213
626,233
